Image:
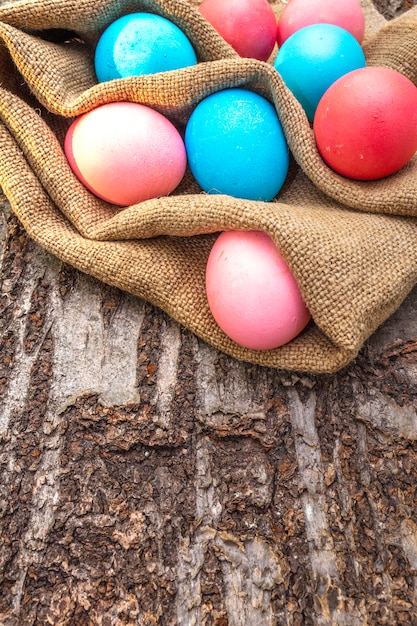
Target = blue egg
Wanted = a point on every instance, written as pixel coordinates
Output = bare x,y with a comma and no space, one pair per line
141,43
236,146
313,58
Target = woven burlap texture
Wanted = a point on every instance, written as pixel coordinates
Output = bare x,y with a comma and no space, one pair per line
351,245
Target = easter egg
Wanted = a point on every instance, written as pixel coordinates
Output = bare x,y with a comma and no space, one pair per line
313,58
236,146
125,153
141,43
365,125
347,14
249,26
252,293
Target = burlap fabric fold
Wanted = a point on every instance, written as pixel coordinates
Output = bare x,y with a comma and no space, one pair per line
351,245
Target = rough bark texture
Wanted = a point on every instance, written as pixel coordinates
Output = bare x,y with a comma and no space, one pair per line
148,479
392,8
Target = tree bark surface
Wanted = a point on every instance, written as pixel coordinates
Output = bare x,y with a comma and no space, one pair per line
149,479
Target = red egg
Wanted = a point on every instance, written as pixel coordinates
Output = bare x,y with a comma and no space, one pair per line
347,14
365,124
249,26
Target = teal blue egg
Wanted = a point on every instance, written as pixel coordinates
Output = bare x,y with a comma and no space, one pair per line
313,58
139,44
236,146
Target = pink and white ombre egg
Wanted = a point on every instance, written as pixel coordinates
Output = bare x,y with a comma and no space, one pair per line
126,153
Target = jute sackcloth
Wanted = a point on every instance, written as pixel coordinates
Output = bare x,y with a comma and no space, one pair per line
352,246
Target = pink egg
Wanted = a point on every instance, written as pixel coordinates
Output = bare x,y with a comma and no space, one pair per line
347,14
249,26
126,153
252,293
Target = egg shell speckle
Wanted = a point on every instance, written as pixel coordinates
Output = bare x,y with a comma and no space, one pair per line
139,44
236,146
365,125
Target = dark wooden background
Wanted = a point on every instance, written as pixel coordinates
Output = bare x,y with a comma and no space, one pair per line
149,479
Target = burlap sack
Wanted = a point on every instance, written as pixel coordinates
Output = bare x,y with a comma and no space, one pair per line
352,246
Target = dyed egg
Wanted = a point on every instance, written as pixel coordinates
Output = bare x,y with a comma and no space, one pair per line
125,153
313,58
366,123
347,14
141,43
236,146
249,26
252,293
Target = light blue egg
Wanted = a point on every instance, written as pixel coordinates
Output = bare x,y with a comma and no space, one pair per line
139,44
313,58
236,146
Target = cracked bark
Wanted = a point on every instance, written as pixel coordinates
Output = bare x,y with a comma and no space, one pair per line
148,479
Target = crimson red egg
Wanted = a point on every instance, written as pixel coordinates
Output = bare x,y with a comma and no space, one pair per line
365,124
347,14
249,26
